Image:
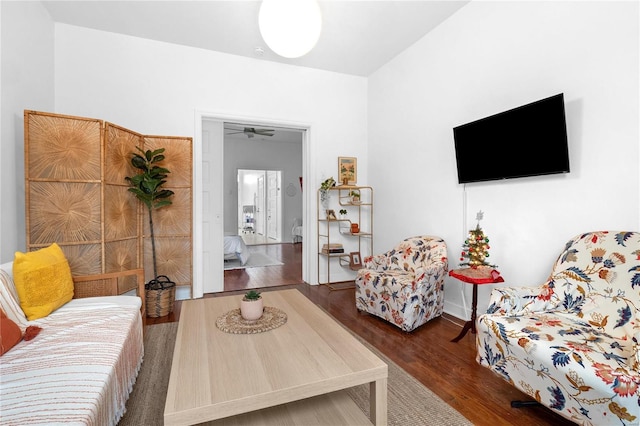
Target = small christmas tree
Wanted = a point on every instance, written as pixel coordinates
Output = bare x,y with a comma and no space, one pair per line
475,249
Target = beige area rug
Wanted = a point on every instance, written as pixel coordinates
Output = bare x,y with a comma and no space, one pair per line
409,402
256,259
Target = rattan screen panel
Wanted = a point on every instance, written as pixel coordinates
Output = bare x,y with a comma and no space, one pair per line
120,144
76,196
64,212
172,224
84,259
120,213
178,153
173,220
121,256
173,256
63,147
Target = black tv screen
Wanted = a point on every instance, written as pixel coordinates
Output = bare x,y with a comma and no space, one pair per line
530,140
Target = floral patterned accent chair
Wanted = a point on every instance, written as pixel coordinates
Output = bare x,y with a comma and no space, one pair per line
571,344
405,285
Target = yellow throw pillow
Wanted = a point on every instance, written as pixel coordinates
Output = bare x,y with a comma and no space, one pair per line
43,281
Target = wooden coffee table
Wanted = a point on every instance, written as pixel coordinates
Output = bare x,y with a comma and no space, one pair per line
294,374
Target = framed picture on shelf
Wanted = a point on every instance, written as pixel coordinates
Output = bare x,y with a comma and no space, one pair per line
347,170
355,262
331,214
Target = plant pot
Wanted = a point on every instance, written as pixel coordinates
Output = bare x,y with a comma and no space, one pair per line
160,296
251,310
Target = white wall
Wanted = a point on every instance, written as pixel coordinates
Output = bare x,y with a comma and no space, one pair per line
156,88
486,58
26,82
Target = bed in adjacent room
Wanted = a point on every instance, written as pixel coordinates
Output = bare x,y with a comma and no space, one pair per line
235,248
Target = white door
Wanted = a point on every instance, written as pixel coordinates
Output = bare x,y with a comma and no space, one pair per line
212,198
260,206
273,206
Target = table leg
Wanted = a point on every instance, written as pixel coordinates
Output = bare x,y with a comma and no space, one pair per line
378,402
470,325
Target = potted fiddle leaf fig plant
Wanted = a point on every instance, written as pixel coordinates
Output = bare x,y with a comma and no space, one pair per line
147,187
251,305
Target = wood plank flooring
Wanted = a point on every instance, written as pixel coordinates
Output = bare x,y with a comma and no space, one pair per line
448,369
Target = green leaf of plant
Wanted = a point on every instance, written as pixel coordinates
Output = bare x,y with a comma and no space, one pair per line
138,162
155,170
163,203
165,193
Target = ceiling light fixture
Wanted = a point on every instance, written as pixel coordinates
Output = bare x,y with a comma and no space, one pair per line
291,28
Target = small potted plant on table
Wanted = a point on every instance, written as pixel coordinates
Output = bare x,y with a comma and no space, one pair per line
251,305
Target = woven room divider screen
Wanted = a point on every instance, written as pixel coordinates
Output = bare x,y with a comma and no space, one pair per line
76,196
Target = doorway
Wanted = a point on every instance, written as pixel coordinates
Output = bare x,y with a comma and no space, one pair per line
260,206
214,185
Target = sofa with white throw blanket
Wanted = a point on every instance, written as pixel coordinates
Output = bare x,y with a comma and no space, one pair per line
78,363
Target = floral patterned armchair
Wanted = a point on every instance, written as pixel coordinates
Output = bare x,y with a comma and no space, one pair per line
405,285
572,343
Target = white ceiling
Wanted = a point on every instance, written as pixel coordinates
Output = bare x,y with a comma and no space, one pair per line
358,36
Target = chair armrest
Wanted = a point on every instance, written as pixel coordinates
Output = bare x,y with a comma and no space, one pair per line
377,262
111,284
634,359
519,301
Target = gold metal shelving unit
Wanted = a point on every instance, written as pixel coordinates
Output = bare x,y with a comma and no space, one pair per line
338,230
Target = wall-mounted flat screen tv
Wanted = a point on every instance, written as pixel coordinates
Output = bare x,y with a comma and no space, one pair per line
530,140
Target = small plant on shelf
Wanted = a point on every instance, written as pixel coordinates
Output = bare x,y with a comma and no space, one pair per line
343,212
355,196
324,189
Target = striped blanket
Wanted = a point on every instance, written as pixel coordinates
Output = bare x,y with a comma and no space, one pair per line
79,370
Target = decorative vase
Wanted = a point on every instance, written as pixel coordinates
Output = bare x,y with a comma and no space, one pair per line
324,198
251,310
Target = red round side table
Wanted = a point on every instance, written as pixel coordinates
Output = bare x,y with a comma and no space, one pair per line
475,276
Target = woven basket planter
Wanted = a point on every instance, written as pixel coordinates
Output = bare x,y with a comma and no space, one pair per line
160,295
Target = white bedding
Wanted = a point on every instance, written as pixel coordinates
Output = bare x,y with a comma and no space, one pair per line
235,248
79,370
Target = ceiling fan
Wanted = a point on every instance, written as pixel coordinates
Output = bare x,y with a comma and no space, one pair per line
252,131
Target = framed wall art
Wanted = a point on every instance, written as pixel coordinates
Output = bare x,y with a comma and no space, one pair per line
347,170
355,262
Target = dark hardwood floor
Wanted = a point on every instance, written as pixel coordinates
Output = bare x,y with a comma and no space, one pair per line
289,273
448,369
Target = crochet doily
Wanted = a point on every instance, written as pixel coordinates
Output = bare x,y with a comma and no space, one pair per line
232,321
